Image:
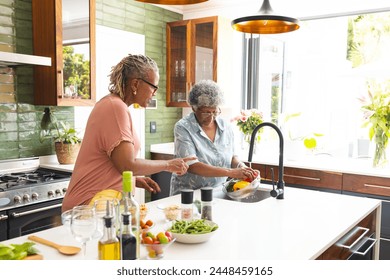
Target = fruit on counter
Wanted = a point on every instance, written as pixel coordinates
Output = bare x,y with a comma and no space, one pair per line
154,243
146,225
17,251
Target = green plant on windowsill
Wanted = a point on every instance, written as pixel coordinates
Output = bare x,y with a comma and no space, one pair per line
377,116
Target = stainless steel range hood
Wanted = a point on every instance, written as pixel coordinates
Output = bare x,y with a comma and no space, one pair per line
14,59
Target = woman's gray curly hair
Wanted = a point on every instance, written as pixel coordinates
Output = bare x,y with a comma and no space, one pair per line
130,67
205,93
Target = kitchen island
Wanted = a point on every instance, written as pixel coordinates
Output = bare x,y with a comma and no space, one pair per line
300,227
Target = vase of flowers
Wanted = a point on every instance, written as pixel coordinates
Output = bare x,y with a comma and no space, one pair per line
247,121
377,116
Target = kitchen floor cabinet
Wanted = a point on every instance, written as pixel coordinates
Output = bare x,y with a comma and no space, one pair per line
57,85
305,178
355,239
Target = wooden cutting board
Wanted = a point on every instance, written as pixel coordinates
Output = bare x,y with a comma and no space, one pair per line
33,257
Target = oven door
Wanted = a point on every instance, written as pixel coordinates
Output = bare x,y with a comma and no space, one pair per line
3,225
34,218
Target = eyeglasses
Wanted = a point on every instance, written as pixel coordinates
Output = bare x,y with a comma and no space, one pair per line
155,88
210,114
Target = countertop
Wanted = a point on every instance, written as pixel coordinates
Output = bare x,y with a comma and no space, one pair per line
270,155
52,163
299,227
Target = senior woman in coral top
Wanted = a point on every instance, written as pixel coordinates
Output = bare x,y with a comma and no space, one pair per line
110,144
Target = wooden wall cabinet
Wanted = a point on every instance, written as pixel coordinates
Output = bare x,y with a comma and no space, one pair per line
48,32
191,56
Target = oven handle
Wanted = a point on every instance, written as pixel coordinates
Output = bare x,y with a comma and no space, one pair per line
17,215
3,217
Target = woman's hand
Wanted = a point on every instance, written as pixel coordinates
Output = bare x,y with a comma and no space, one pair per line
147,184
179,165
245,173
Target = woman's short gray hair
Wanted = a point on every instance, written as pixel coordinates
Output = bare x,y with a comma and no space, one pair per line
205,93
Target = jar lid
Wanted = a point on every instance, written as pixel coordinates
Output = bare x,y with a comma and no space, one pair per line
187,196
206,194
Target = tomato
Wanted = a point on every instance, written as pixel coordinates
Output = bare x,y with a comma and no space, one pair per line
149,223
144,234
248,180
169,235
147,240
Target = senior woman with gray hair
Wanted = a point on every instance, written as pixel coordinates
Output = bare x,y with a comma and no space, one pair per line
208,137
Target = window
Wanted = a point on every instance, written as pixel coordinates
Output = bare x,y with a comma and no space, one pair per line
309,81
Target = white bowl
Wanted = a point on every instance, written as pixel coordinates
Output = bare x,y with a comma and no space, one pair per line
194,238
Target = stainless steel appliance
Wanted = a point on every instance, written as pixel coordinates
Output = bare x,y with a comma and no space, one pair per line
30,197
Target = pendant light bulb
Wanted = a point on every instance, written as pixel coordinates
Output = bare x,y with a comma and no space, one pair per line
265,22
172,2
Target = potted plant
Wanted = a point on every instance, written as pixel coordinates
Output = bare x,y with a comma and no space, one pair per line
66,140
377,117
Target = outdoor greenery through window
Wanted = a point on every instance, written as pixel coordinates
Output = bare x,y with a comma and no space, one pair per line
313,83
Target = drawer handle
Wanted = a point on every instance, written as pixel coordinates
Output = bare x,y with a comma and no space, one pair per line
302,177
372,240
349,235
376,186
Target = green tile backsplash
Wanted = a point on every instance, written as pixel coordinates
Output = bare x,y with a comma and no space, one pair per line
20,120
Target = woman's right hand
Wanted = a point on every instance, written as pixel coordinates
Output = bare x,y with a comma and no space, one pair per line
179,165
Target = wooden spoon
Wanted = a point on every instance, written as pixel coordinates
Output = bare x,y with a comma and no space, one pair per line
66,250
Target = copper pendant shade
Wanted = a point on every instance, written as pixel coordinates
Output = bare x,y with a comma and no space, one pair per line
173,2
265,22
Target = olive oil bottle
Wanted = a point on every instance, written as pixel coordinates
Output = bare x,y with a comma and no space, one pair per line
108,246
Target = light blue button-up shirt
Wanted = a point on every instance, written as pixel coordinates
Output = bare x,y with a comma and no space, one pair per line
190,140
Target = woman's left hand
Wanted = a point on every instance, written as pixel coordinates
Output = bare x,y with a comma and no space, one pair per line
147,184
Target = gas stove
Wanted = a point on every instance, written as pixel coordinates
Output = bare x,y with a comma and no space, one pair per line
23,182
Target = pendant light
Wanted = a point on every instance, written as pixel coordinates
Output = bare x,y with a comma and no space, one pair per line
265,22
172,2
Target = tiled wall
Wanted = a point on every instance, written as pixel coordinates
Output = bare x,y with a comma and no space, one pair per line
20,120
151,21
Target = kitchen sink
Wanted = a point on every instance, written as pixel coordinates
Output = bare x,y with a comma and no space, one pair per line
259,195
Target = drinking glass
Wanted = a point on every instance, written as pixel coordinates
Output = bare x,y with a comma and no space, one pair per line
83,224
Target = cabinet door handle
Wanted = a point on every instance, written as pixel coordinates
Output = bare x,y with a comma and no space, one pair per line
376,186
302,177
3,217
342,242
372,240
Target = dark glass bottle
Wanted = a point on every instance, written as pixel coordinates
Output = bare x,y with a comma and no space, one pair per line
127,239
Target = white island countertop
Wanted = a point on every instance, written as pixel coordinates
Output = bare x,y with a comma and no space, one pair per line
300,227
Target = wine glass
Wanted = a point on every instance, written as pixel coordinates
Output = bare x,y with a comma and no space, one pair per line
83,224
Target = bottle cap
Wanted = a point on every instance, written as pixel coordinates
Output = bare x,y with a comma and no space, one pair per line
187,196
127,179
126,218
206,194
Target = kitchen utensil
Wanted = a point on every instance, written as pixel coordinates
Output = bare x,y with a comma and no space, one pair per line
66,250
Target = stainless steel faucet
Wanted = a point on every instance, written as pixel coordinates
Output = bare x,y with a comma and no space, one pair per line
279,191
